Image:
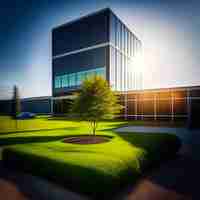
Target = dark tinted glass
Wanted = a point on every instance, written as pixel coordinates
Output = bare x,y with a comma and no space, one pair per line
80,61
82,33
74,63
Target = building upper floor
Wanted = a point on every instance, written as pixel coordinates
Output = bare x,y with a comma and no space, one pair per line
99,43
94,30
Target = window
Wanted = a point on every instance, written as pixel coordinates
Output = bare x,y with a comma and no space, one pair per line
122,38
72,80
112,67
57,82
75,79
80,77
100,72
127,47
118,34
112,29
132,45
125,41
128,43
118,71
65,80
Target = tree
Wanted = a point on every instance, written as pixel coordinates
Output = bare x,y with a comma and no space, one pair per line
16,107
95,101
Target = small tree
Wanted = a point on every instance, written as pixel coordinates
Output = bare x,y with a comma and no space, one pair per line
16,107
95,101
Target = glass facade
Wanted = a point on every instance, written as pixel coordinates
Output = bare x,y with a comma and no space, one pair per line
70,70
85,32
117,55
75,79
101,44
166,104
123,51
96,44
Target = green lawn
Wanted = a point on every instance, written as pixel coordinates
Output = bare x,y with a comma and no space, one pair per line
95,169
43,122
7,124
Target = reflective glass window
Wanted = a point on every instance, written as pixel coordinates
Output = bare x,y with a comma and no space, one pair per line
128,43
57,82
122,38
125,41
118,34
87,74
112,67
100,72
65,80
75,79
80,77
118,71
130,49
72,80
112,29
132,45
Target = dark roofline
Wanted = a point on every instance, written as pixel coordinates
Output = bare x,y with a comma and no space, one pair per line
93,14
82,17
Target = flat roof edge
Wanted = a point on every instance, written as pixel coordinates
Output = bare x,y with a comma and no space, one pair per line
82,17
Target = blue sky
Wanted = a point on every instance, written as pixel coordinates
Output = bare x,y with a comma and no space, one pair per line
169,31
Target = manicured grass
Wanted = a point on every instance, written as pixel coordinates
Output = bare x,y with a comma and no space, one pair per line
7,124
95,169
45,129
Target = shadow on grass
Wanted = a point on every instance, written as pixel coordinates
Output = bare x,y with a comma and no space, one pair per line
63,118
77,178
33,139
151,141
156,147
36,130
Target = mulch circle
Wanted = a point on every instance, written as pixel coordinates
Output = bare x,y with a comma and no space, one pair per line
87,139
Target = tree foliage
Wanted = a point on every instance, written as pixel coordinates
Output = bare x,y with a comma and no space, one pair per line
96,101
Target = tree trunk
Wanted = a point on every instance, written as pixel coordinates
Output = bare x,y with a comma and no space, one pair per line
94,128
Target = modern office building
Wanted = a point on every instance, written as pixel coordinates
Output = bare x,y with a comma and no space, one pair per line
95,44
102,44
172,104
